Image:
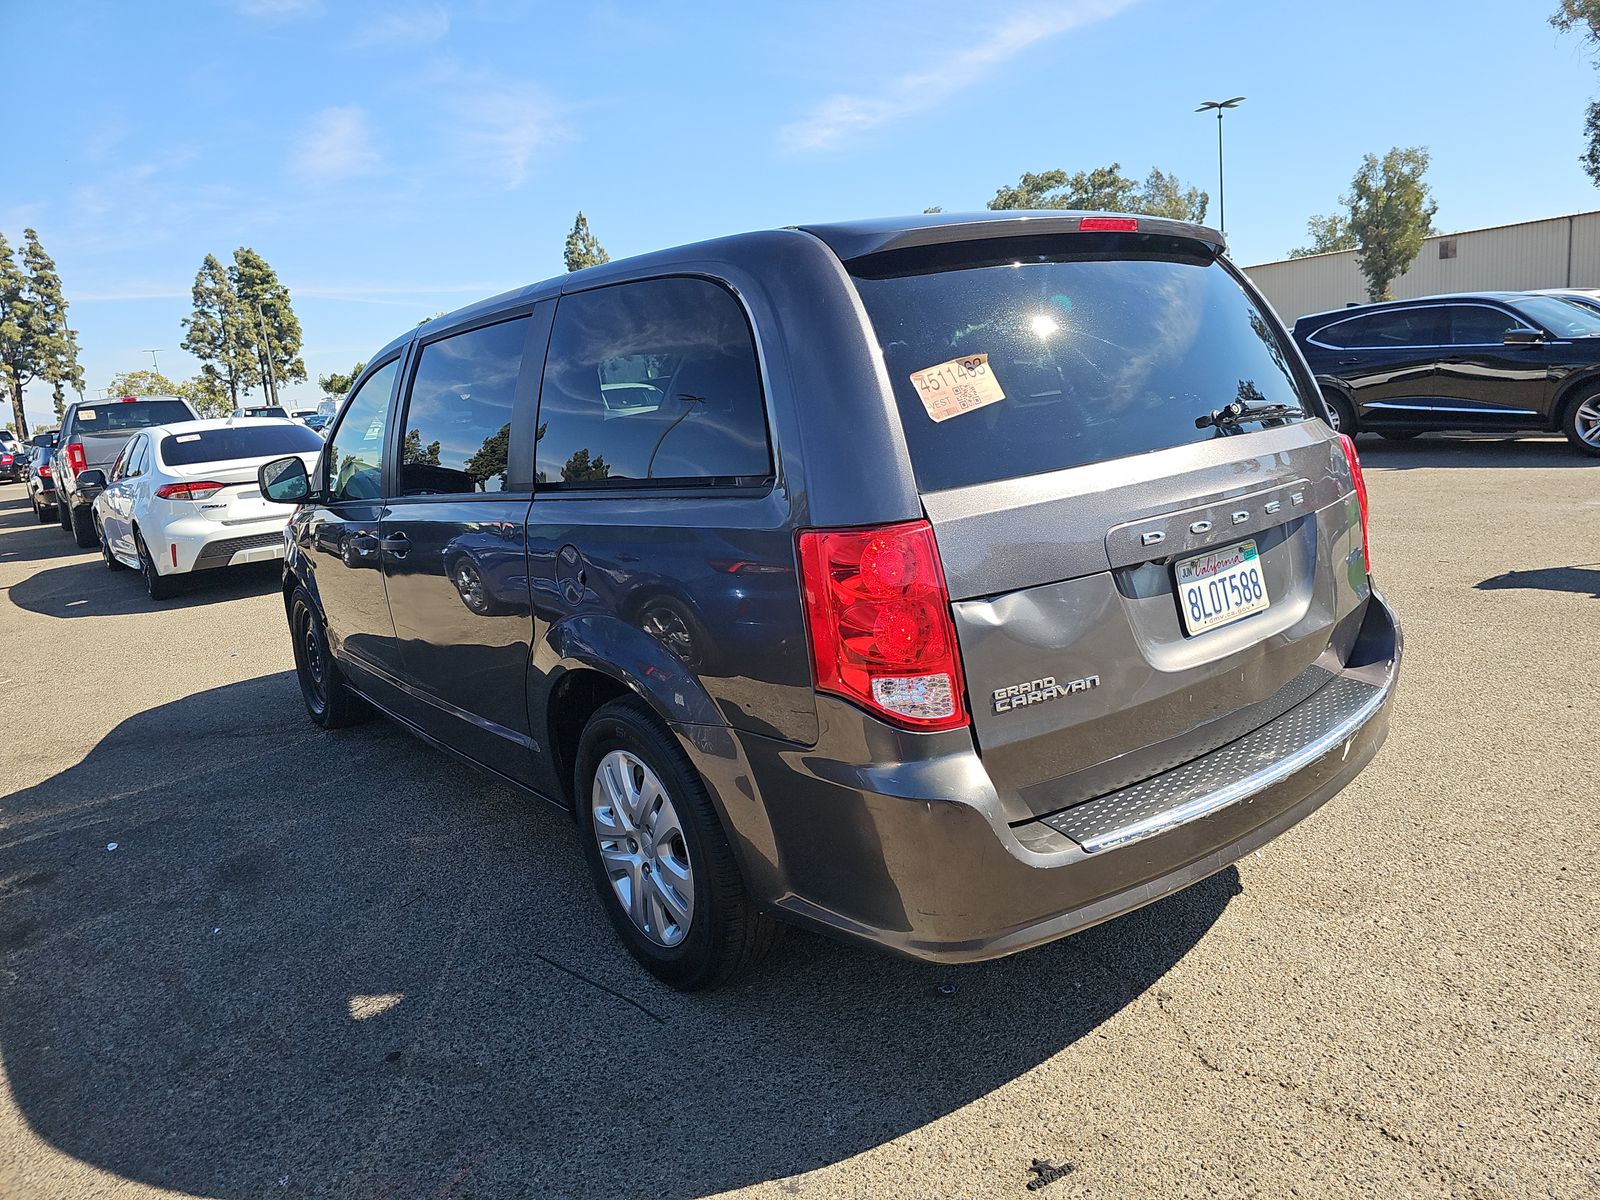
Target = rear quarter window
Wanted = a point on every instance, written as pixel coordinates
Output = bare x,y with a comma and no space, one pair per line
1109,351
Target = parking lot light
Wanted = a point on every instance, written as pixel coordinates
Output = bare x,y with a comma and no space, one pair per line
1219,105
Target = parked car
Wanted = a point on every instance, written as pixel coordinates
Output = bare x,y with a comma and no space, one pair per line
13,463
1583,297
8,441
182,498
41,483
274,411
1015,580
91,437
1488,362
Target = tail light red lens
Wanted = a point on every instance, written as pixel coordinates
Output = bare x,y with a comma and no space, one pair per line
1360,481
76,457
5,460
881,633
44,471
202,489
1108,225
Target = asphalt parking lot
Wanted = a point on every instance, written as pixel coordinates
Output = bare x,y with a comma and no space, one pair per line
342,965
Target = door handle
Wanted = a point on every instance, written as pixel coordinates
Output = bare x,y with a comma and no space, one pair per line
396,544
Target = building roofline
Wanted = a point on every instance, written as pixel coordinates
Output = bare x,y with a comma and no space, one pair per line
1433,237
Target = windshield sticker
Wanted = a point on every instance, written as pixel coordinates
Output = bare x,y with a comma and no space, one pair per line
87,414
188,437
958,386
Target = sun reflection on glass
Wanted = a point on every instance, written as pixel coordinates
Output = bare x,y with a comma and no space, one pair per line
1044,325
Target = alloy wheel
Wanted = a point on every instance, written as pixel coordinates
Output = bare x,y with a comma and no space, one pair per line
642,847
470,584
1586,421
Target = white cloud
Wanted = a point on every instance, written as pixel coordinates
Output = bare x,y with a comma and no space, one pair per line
842,117
497,126
337,146
398,30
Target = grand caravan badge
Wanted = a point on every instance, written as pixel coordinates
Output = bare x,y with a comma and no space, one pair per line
1037,691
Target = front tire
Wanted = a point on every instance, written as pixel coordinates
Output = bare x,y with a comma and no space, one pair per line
329,699
1581,423
113,563
659,856
160,587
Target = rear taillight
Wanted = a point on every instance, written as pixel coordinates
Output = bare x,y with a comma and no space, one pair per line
44,472
202,489
879,615
76,458
5,460
1360,481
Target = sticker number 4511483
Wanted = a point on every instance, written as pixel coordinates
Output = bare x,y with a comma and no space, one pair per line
958,386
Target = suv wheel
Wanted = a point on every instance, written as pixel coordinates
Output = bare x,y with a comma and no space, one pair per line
81,522
160,587
1581,423
329,699
1344,417
658,854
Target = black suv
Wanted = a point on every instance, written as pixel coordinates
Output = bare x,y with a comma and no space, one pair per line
950,584
1490,362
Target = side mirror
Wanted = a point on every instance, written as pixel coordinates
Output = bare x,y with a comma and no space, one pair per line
92,480
1524,337
284,480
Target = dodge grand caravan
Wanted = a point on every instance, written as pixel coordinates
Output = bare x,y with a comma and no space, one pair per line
949,584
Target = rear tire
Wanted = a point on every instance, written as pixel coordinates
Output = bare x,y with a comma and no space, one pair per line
160,587
329,699
81,521
644,817
1580,421
1344,416
64,513
39,511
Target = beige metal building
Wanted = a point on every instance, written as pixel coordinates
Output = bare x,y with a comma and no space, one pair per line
1553,253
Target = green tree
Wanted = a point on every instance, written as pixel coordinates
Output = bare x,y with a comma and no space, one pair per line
1105,189
35,341
269,317
1584,15
490,459
205,395
1328,234
412,451
583,248
1391,211
337,386
580,468
218,333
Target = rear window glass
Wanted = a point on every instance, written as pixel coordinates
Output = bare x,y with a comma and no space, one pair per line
140,414
1056,360
220,445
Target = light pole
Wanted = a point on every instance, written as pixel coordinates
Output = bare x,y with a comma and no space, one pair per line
1219,105
155,365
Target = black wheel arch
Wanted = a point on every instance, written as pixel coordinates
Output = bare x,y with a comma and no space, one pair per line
1586,383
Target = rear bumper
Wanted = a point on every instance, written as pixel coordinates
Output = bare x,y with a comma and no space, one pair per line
910,851
205,545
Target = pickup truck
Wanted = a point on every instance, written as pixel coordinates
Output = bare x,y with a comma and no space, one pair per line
93,433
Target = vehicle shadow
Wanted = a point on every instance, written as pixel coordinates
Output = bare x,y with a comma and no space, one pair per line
1471,450
87,589
343,964
1582,580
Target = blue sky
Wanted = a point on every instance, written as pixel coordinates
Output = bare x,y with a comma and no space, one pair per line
395,159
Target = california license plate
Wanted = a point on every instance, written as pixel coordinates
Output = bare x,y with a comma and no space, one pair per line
1220,586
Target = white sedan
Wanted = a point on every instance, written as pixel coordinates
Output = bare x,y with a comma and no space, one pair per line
183,497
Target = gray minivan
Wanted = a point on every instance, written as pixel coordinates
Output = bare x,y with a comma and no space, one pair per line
947,583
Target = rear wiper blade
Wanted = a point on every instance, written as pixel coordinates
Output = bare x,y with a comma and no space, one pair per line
1239,412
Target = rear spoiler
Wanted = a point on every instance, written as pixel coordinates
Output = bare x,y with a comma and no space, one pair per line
857,239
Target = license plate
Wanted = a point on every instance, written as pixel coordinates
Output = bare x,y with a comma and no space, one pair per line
1220,586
